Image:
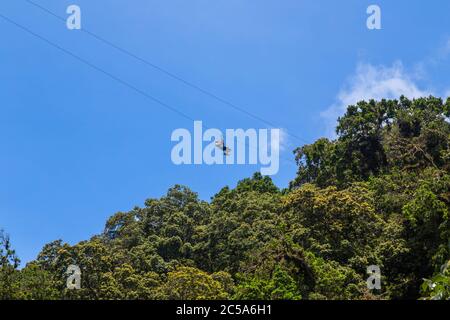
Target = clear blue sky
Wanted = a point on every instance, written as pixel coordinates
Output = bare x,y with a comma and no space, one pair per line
76,146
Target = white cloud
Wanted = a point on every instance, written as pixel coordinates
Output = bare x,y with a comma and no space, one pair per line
372,82
283,141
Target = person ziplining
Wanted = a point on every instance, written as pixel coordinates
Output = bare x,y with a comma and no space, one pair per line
221,145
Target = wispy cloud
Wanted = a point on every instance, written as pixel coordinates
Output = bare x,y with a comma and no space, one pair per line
372,82
283,142
284,137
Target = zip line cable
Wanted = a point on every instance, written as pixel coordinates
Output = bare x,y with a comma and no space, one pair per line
86,62
170,74
110,75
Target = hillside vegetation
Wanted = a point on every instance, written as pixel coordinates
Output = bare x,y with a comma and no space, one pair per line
379,194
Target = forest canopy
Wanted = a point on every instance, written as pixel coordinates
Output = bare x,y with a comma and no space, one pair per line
378,194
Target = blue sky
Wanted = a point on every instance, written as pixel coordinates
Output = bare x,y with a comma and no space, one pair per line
77,146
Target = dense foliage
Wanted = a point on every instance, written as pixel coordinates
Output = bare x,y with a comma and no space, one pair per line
379,194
